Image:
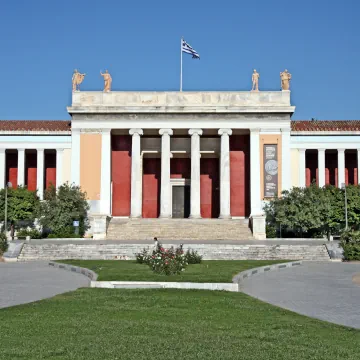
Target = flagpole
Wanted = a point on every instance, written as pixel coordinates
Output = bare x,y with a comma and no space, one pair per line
181,63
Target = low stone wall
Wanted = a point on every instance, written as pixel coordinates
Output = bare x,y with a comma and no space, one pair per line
80,270
121,251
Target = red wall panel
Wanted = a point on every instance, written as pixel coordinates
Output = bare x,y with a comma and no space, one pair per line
240,175
151,188
30,171
311,160
121,174
209,188
180,168
50,169
12,168
331,170
351,169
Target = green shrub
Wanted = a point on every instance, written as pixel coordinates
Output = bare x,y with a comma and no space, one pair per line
270,231
4,245
33,233
193,257
350,242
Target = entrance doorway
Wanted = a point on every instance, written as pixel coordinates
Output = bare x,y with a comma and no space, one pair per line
181,201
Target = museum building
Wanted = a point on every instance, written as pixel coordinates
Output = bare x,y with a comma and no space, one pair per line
179,154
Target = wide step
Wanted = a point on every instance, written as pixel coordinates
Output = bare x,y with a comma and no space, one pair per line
178,229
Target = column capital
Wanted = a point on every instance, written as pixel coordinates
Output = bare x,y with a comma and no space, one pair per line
136,131
302,150
166,131
340,150
195,132
255,131
59,150
39,150
105,131
225,132
321,150
3,150
21,149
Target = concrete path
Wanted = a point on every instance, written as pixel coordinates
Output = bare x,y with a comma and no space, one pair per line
327,291
27,282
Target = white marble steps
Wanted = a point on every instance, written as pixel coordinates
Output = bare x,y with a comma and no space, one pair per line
209,251
178,229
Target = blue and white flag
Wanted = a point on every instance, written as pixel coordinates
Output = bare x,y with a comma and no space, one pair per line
186,48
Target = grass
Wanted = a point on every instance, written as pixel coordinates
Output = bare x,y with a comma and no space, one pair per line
167,324
221,271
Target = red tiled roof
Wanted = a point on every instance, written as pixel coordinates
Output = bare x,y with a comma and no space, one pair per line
35,125
325,125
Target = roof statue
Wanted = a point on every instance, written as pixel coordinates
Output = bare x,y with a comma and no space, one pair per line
255,81
285,80
107,81
77,79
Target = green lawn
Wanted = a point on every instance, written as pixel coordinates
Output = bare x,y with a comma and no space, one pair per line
207,271
93,324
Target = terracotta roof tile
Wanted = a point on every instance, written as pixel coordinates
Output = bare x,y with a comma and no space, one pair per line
35,125
325,125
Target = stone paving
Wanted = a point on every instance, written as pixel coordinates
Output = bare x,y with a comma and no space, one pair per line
326,291
27,282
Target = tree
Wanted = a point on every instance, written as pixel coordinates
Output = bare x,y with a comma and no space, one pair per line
61,207
22,204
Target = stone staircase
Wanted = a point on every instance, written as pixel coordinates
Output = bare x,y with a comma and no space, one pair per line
178,229
118,250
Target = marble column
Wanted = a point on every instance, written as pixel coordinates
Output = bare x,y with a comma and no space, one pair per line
341,167
165,192
358,166
195,212
105,178
2,168
40,173
302,167
59,167
136,174
75,156
255,180
225,173
286,159
21,167
321,167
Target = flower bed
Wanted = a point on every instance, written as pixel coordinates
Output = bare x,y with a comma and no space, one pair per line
168,261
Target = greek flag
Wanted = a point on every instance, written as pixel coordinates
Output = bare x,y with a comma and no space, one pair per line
186,48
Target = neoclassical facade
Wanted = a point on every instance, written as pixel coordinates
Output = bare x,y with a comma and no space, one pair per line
179,154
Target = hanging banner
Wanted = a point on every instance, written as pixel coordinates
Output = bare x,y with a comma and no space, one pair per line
270,171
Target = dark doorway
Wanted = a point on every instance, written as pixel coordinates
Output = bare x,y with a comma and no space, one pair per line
180,202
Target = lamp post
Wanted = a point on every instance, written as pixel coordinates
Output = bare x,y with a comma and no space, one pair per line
8,185
343,186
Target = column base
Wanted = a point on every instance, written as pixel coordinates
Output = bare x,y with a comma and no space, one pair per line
258,226
135,217
225,217
195,217
165,217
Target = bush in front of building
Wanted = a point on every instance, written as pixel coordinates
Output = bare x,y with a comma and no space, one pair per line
350,242
60,208
32,233
168,261
313,211
4,245
22,205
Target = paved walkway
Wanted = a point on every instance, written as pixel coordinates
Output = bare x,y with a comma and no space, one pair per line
27,282
327,291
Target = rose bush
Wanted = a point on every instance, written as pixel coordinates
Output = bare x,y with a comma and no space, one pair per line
167,261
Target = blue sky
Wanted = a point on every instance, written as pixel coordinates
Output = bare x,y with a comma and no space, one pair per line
42,42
